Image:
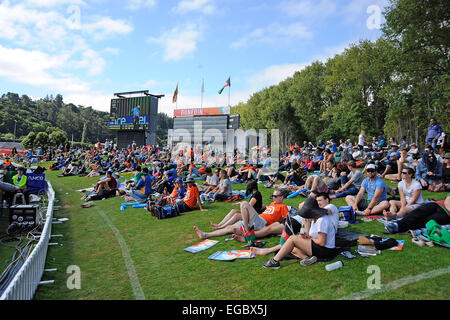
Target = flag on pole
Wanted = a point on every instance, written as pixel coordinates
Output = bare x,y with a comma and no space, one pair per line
175,95
227,84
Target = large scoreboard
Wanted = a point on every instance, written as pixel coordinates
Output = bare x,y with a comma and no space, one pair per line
134,118
136,113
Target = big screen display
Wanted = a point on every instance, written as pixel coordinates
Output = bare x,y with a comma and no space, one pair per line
132,113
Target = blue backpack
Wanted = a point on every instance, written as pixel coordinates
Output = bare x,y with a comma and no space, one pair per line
347,214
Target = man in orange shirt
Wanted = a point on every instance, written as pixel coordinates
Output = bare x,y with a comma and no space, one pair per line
276,211
191,198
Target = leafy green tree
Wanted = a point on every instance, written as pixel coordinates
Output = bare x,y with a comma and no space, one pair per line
57,138
42,140
28,142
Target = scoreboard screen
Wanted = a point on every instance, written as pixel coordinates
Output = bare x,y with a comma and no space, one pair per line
132,113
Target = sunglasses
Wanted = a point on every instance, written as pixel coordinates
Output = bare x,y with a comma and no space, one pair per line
404,172
371,170
276,195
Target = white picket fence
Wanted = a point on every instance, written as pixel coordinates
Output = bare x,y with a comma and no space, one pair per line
27,279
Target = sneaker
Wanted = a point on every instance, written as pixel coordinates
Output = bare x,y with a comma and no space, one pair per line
308,261
360,213
272,264
391,227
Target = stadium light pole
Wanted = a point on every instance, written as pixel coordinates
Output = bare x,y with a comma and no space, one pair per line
15,123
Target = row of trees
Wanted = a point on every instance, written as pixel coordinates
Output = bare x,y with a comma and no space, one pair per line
51,122
391,86
50,115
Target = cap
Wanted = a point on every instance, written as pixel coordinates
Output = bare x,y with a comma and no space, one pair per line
179,180
191,180
372,166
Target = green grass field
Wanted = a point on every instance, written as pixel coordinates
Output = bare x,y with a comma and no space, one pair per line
165,271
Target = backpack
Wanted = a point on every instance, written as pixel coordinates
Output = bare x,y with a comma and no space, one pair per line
347,214
163,212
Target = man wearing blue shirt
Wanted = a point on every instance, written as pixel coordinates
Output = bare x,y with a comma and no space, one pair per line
376,190
143,187
433,133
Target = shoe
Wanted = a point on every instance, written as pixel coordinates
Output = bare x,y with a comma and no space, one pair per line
360,213
308,261
419,242
391,227
272,264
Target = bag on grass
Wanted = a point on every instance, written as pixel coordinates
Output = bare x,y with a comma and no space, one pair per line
436,233
347,214
166,212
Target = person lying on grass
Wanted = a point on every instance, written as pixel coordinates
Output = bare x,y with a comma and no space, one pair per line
275,212
320,220
438,211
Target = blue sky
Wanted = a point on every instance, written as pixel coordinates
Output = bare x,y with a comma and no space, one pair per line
87,50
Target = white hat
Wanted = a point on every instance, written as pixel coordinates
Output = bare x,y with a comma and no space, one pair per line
372,166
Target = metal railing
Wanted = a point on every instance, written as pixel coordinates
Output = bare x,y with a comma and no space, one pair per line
25,282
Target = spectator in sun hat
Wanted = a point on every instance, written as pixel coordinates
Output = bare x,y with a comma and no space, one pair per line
376,190
179,191
191,199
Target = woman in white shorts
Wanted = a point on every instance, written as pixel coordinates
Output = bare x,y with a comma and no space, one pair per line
410,191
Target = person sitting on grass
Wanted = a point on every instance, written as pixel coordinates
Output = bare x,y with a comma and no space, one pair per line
376,191
275,212
438,211
178,192
224,188
143,188
318,240
316,185
429,170
192,197
391,161
104,188
410,192
405,161
235,215
350,183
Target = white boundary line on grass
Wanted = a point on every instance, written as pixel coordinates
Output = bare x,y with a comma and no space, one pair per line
396,284
135,284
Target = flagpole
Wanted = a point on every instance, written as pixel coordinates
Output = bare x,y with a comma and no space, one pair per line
229,90
203,83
